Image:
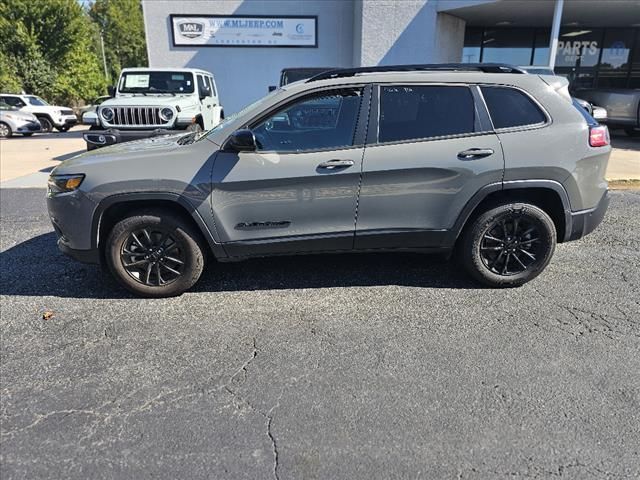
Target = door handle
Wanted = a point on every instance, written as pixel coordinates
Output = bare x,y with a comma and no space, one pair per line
333,164
474,153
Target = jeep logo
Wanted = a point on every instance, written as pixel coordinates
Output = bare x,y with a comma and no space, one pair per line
191,29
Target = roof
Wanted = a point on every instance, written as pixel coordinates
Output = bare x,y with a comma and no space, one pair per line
149,69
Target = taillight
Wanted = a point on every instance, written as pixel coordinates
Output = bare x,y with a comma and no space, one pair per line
599,136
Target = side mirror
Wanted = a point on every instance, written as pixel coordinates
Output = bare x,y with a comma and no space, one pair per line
111,90
241,140
272,88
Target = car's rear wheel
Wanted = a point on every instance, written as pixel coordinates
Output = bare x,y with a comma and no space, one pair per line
5,130
45,124
154,254
508,245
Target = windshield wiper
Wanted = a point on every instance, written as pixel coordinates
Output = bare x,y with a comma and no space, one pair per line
157,90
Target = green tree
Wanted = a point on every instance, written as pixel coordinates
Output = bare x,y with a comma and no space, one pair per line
9,81
46,40
122,26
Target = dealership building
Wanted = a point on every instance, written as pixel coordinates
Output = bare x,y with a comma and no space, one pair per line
246,43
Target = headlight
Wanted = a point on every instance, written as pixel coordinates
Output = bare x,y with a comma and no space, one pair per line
64,183
166,114
107,113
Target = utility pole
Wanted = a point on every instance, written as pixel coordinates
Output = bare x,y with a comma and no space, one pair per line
104,57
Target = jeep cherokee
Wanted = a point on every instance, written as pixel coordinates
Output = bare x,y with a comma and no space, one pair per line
483,160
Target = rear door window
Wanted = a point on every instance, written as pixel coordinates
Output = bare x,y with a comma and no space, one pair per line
412,112
509,108
211,87
202,86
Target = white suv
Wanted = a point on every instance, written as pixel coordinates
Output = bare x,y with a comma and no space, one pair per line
49,116
155,101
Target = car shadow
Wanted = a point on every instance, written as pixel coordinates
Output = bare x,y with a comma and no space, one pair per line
36,268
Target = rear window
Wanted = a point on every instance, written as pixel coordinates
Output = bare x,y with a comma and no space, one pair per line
511,108
410,112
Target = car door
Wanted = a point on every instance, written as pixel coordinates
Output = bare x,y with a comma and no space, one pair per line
298,191
206,102
432,149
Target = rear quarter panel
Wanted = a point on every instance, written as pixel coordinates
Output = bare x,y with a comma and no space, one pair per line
557,151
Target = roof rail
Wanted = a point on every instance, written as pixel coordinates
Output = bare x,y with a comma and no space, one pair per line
452,67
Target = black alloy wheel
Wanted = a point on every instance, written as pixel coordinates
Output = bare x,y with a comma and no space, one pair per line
511,245
155,253
152,256
508,245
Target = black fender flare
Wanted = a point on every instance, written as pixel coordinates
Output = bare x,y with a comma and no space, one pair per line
485,191
112,200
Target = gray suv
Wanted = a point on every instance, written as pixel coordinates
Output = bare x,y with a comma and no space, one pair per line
486,161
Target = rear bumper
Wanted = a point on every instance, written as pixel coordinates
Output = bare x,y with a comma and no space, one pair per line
586,221
103,138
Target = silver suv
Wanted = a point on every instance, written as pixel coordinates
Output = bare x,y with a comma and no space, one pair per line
486,161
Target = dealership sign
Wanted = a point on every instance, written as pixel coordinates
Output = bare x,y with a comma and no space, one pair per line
244,31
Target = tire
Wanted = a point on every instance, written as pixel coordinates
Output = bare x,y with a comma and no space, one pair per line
632,132
484,255
46,124
91,146
27,134
127,243
5,130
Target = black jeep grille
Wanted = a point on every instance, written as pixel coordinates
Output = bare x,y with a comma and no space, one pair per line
136,116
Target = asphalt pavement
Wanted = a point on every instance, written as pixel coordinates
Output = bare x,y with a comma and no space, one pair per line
372,366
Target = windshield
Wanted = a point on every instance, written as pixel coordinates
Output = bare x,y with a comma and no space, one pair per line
156,82
33,100
246,109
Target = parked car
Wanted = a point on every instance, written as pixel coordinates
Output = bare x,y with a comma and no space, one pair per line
150,102
623,107
290,75
13,121
482,160
49,116
595,111
93,105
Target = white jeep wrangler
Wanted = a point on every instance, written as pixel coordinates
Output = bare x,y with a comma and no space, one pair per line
49,116
152,101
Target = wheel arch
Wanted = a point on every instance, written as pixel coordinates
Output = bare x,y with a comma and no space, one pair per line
111,209
549,195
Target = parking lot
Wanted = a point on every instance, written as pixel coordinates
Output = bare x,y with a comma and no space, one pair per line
345,366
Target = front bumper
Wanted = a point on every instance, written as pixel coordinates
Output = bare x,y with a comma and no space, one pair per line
91,256
103,138
586,221
66,121
28,127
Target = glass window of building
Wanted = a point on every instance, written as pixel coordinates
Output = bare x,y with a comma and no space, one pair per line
508,45
579,47
472,45
541,47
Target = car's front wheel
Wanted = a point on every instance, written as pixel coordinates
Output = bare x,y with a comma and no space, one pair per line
508,245
5,130
155,254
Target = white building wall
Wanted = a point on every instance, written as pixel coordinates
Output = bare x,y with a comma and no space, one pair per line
350,33
408,31
243,74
